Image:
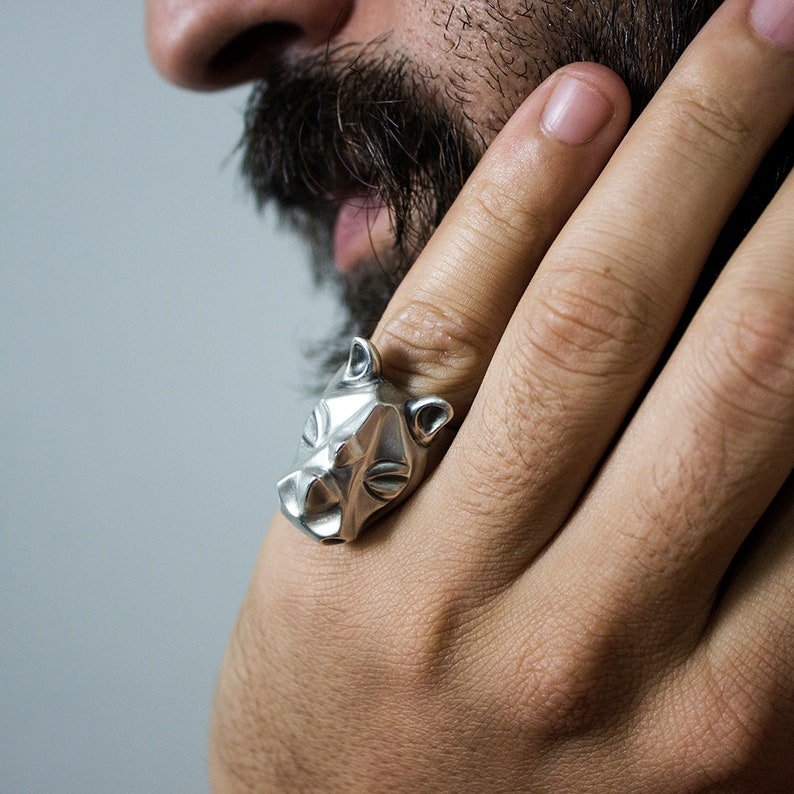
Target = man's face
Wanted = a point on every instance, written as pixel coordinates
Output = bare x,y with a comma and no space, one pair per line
367,117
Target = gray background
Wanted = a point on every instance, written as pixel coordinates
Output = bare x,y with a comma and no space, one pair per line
150,328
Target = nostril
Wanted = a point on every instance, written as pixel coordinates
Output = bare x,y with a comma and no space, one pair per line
249,53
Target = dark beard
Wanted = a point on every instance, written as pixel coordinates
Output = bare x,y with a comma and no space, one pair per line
332,127
328,126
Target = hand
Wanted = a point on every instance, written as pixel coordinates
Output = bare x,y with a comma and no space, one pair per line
582,597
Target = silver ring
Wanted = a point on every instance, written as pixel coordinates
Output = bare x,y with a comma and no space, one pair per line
363,451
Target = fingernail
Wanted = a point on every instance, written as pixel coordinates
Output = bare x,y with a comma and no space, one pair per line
774,20
575,112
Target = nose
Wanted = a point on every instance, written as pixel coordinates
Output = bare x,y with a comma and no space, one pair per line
207,44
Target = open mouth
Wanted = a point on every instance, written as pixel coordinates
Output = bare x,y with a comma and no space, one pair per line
362,228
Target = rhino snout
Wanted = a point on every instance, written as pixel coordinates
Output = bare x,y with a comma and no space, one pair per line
313,499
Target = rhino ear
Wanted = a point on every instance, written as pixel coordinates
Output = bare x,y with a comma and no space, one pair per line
363,362
426,416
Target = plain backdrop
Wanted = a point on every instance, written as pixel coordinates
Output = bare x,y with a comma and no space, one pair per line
151,328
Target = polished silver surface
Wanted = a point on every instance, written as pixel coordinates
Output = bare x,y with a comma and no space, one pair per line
363,451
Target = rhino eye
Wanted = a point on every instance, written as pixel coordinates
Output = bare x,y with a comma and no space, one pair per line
314,428
386,479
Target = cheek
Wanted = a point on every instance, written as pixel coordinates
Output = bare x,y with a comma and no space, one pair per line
482,61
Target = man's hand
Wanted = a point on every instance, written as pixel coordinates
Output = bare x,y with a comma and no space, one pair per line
581,597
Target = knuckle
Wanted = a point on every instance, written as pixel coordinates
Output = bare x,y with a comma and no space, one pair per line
574,682
592,322
504,210
487,494
424,341
711,123
571,700
749,366
731,725
432,641
673,507
762,343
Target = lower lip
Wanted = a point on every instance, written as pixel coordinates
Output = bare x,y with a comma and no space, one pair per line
353,232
